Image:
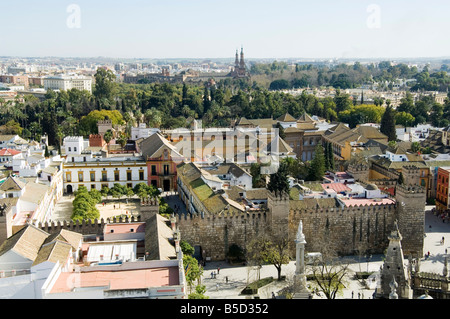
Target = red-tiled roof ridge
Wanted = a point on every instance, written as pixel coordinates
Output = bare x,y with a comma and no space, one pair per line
8,151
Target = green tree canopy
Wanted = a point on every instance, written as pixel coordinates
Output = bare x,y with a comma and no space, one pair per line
84,205
387,126
88,123
318,165
105,87
279,182
404,118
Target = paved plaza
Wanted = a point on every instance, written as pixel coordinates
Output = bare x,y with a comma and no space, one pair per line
111,208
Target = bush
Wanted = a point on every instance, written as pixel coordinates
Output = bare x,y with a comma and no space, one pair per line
186,248
235,253
164,208
280,85
199,293
252,288
363,275
84,205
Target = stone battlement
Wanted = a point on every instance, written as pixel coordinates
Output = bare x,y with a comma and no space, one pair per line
410,167
73,138
358,167
104,122
86,226
343,210
411,189
261,214
149,202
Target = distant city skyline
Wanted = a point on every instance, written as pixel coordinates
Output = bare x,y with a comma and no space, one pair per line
209,29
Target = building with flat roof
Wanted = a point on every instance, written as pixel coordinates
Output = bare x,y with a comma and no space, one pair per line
155,279
67,82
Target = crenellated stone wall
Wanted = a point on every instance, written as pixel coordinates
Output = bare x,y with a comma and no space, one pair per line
215,234
86,227
349,230
359,171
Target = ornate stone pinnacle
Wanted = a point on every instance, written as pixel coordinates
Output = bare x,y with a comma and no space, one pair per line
300,238
393,284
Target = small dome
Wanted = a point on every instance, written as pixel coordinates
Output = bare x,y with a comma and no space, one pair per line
372,187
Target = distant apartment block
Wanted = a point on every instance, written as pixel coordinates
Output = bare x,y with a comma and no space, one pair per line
67,82
15,79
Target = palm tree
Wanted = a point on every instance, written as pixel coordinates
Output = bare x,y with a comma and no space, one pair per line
108,136
122,139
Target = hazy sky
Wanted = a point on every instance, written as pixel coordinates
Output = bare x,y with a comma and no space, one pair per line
215,29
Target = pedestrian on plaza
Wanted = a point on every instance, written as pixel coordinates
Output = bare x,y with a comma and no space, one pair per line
359,295
273,295
217,287
218,269
212,275
114,206
352,294
443,238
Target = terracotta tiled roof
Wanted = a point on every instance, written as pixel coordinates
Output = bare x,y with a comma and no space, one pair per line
26,242
8,152
12,184
56,251
338,187
73,238
286,118
305,118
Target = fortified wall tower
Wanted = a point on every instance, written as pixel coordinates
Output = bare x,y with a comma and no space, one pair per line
103,126
359,171
278,205
214,234
411,202
411,175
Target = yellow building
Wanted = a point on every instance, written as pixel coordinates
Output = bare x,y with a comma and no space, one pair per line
345,141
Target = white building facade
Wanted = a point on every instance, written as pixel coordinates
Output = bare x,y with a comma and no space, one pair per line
142,131
104,173
85,166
